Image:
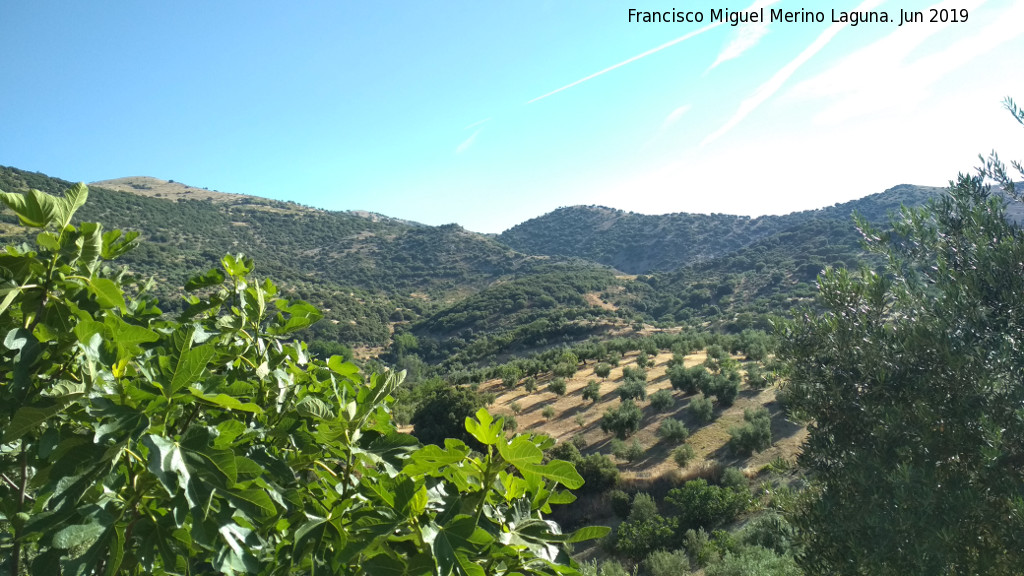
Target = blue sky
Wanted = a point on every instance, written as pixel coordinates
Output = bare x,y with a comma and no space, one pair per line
491,113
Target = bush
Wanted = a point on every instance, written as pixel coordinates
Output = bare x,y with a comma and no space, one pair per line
563,370
754,436
754,561
662,400
644,530
602,370
632,390
631,373
530,384
629,452
734,478
642,360
697,544
702,409
665,563
548,412
622,421
672,430
557,386
592,391
614,358
769,530
726,387
511,425
599,473
757,378
700,505
515,407
682,455
619,503
566,451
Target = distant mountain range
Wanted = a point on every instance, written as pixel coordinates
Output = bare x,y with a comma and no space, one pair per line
559,277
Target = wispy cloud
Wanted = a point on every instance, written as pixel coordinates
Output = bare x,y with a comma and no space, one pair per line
745,38
477,123
674,116
668,44
864,82
468,142
769,88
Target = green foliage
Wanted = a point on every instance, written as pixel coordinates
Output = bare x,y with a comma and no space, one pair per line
672,430
602,370
912,377
700,505
443,413
644,530
754,435
137,444
632,390
619,502
629,452
557,386
566,451
702,409
754,561
689,380
634,373
599,472
662,400
725,386
592,391
733,478
683,454
510,375
642,361
757,378
548,412
530,384
622,421
771,531
665,563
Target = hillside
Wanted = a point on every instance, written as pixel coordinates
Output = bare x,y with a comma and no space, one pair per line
642,244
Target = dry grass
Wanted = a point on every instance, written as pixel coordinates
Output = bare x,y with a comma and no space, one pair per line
709,441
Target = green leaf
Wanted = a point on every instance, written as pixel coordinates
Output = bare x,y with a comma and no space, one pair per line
384,565
227,402
28,418
520,452
484,428
558,470
127,336
35,209
73,199
77,535
430,459
108,294
114,246
212,277
588,533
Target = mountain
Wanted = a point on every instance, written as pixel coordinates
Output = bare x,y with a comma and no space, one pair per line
641,244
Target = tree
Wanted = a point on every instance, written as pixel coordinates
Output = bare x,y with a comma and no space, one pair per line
622,421
443,413
558,386
911,377
672,430
662,400
602,370
632,390
134,443
592,391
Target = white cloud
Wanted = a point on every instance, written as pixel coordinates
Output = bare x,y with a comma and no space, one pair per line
769,88
477,123
674,116
883,76
468,142
746,37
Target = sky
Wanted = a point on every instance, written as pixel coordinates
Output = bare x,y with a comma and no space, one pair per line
488,114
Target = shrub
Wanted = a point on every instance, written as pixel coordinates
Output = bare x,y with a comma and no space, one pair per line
644,530
665,563
682,455
563,370
629,452
599,472
727,387
672,430
769,530
557,386
632,390
734,478
754,561
631,373
700,505
580,420
702,409
602,370
754,436
530,384
622,421
510,424
662,400
697,544
592,391
614,358
548,412
642,360
619,503
515,407
565,451
757,378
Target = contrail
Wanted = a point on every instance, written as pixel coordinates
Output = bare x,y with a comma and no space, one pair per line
633,59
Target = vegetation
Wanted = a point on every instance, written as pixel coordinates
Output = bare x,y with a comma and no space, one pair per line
133,443
911,376
622,421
